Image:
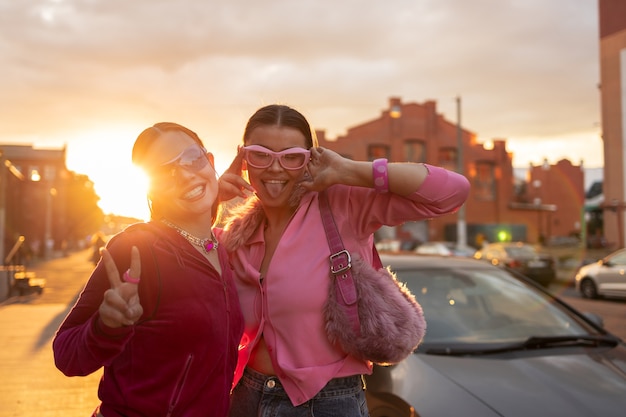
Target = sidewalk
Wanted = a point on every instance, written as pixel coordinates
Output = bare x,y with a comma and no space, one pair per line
31,385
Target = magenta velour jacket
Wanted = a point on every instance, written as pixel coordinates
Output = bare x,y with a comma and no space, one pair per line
179,358
286,306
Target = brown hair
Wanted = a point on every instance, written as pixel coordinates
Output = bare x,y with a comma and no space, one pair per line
146,138
280,115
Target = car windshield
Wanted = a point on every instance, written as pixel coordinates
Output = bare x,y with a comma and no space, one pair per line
486,306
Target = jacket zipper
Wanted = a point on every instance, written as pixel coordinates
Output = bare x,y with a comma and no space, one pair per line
178,388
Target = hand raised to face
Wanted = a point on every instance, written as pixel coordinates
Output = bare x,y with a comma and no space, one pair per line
231,184
323,170
121,305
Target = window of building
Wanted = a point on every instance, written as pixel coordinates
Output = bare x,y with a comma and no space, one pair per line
447,158
50,173
484,187
414,150
34,173
378,151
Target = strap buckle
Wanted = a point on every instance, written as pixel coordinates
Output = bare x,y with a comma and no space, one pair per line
340,262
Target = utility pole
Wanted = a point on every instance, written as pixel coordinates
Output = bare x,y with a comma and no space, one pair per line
461,227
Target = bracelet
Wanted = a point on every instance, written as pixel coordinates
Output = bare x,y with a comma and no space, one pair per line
128,278
379,172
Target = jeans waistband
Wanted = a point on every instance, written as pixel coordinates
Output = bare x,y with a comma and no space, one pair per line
334,387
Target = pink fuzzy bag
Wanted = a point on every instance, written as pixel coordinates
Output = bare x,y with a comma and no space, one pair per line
369,313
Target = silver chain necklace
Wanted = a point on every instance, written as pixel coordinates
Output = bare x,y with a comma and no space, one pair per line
207,244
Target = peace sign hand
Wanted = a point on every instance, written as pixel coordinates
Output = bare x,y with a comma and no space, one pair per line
120,305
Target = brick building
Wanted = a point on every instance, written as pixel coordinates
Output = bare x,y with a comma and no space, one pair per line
32,197
547,204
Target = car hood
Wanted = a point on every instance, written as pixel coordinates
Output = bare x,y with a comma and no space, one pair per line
581,384
589,269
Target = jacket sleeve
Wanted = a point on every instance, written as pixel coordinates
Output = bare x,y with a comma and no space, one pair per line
83,344
442,191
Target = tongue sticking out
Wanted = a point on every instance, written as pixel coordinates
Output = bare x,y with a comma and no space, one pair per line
274,188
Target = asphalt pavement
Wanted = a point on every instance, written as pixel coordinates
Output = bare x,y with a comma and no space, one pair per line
31,385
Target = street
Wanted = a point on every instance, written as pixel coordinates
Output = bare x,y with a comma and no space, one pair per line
32,386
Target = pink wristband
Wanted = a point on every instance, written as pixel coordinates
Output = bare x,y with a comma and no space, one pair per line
379,172
128,278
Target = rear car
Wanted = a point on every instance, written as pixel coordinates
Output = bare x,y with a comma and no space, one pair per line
604,278
444,248
521,257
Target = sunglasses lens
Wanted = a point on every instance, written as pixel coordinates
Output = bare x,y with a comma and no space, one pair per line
193,159
259,159
293,160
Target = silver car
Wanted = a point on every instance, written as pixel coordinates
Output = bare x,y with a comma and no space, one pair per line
605,278
497,344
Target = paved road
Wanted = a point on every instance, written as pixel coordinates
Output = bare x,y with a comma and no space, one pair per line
31,385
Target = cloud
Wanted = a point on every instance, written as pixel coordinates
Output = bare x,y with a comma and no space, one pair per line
525,69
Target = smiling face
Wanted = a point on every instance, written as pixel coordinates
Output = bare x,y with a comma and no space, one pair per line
275,185
182,183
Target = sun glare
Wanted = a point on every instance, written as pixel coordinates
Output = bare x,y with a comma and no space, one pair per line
105,157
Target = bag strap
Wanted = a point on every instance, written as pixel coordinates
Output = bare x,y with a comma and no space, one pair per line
340,265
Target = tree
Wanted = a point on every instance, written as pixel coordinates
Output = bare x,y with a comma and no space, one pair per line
83,216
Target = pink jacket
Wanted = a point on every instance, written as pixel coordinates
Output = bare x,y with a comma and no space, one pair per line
287,306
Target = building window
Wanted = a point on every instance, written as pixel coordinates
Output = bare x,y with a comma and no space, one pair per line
414,150
447,158
485,181
378,151
50,172
34,173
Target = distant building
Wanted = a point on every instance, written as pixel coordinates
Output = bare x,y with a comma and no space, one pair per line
549,203
33,187
612,40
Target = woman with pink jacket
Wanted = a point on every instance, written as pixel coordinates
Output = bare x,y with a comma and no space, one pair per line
279,253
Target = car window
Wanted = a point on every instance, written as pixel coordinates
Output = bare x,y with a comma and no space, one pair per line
485,306
520,251
619,259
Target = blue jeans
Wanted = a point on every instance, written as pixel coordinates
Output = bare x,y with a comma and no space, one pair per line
259,395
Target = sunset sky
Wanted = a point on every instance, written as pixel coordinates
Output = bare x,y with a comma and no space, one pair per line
91,74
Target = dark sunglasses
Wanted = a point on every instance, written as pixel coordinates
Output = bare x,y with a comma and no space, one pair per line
260,157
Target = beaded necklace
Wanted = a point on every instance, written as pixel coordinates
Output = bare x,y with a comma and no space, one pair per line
207,244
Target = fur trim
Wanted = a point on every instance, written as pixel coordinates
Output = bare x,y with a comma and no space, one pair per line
391,320
241,223
244,219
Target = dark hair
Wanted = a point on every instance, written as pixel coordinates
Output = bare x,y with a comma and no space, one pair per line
146,138
280,115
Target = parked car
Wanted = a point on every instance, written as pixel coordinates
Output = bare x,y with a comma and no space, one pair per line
606,277
497,344
521,257
444,249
